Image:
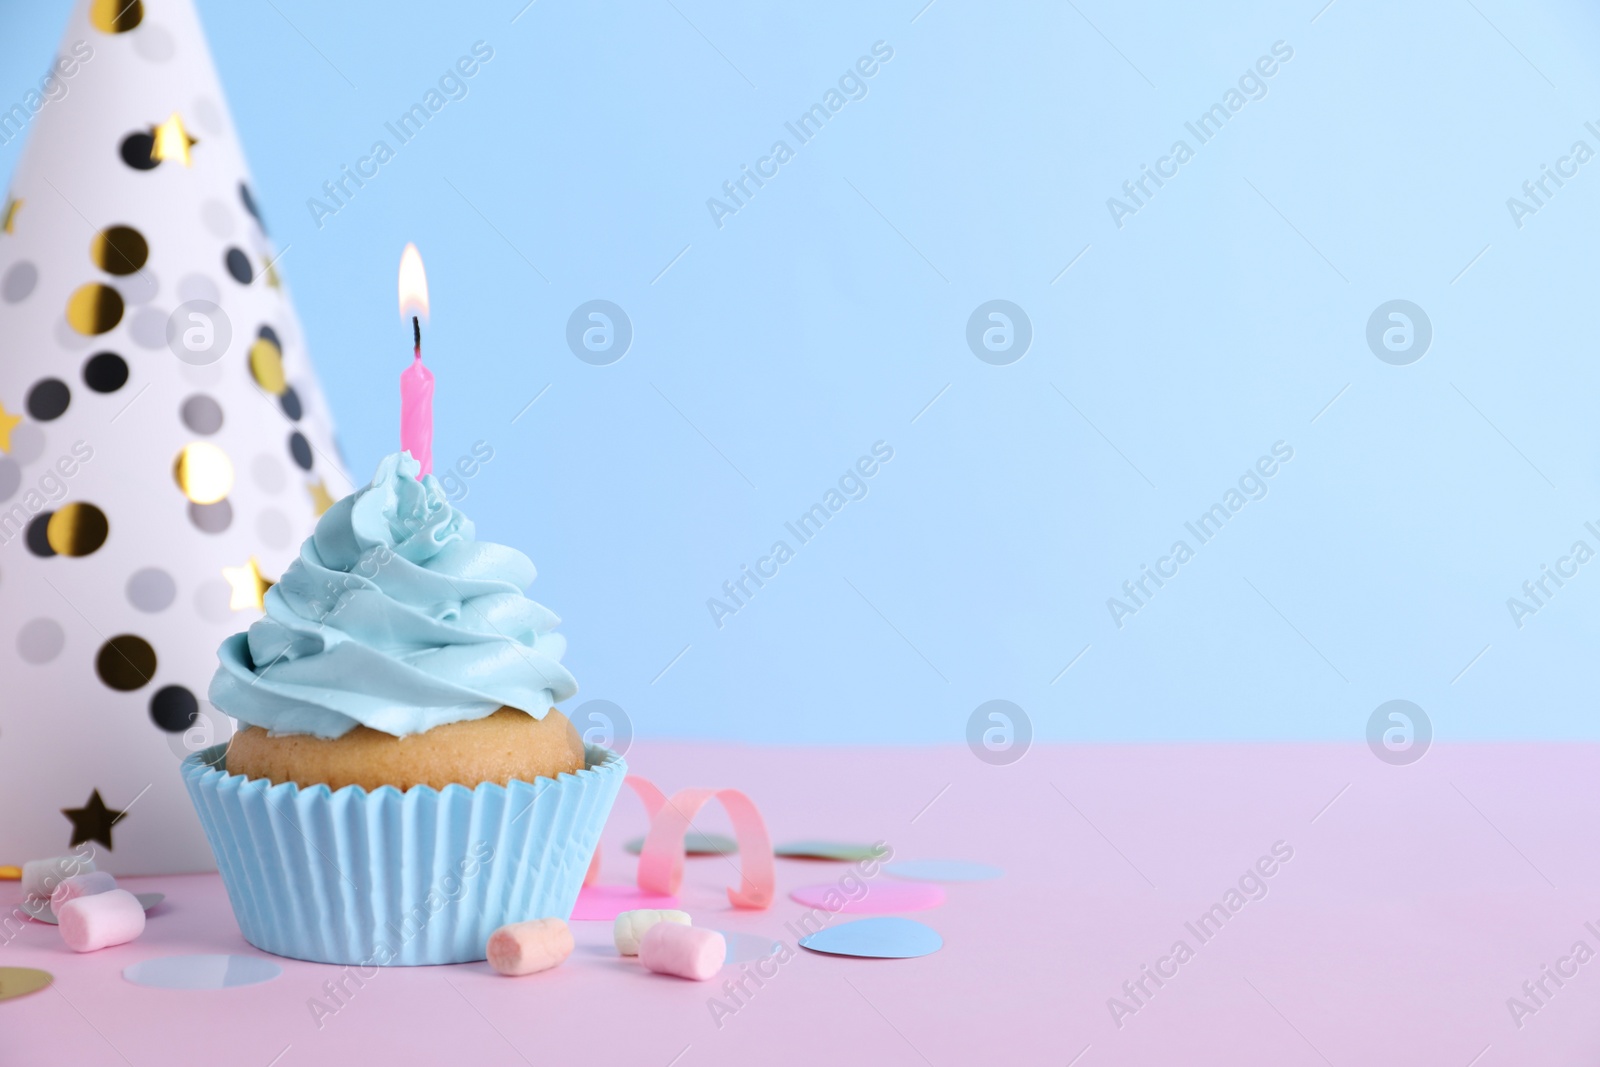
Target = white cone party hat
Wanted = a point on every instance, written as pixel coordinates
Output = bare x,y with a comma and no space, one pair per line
164,446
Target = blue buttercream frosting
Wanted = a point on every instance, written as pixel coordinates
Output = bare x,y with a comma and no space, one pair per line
394,617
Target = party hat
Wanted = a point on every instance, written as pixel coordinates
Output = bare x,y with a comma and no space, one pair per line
164,446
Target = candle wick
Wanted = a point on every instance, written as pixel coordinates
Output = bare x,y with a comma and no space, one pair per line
416,333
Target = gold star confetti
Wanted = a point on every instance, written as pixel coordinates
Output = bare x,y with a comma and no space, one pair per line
8,422
249,587
8,218
272,277
321,500
172,141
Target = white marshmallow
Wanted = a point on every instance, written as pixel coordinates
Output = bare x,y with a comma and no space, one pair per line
41,877
81,885
630,926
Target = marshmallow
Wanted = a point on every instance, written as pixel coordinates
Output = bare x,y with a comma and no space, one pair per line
685,951
40,877
529,947
630,927
81,885
99,921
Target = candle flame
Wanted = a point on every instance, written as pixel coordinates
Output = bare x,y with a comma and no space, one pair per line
413,284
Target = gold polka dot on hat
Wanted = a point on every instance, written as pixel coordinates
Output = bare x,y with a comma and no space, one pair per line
126,662
204,472
115,16
119,250
266,366
94,309
77,529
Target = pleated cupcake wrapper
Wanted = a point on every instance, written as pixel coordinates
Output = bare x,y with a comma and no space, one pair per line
389,877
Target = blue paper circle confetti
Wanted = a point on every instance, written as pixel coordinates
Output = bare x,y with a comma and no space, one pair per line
747,948
887,937
208,971
941,871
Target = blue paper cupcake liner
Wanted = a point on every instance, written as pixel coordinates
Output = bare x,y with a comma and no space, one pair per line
398,878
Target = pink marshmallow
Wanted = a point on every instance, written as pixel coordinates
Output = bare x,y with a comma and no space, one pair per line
81,885
529,947
102,920
685,951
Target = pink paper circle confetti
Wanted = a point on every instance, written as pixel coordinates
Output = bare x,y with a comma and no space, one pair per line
881,898
606,902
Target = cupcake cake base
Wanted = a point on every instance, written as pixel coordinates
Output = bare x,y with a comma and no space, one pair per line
504,746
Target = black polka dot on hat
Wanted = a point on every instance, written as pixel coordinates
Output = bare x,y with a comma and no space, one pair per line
300,449
126,662
290,402
48,399
174,709
267,333
137,149
38,536
105,372
249,203
239,266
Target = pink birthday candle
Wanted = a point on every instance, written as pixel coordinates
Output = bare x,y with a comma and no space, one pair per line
416,381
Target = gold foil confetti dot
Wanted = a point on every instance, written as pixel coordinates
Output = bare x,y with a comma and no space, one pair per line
20,981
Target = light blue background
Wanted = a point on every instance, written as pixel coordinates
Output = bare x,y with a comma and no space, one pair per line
827,314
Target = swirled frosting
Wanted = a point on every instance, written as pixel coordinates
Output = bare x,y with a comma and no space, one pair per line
394,617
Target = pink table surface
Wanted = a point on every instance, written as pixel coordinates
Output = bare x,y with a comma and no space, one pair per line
1417,901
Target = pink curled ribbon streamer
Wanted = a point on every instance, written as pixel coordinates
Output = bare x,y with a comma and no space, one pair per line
661,859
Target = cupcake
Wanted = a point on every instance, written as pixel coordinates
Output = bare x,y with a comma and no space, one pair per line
401,783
